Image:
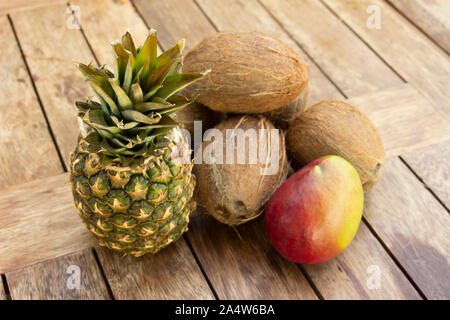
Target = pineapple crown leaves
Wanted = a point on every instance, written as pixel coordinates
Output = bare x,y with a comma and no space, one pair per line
136,102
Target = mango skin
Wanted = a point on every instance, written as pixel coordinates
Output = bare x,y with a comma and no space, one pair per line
314,215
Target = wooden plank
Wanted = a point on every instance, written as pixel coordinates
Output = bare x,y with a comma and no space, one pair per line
72,277
171,273
233,14
397,56
432,17
404,118
414,226
411,50
165,16
241,264
220,15
405,48
50,48
370,274
228,274
388,107
428,164
7,6
32,230
24,136
2,290
38,222
25,233
340,53
119,16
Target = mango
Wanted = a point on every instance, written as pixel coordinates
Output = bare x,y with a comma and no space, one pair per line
314,215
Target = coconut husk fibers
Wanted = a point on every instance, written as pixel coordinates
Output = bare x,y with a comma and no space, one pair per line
237,193
198,112
250,72
282,117
334,127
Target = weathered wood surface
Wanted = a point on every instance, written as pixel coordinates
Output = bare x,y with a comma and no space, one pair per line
404,61
34,218
2,290
414,226
218,247
402,46
38,222
171,273
8,6
50,200
432,17
340,53
241,264
428,164
369,274
225,15
405,119
104,26
24,136
250,15
407,51
72,277
51,48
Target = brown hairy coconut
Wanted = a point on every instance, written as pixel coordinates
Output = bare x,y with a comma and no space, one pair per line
282,117
250,72
198,112
333,127
236,193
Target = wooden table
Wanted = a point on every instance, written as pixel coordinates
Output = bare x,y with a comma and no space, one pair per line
398,74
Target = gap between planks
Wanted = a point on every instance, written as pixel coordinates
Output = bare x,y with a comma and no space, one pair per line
150,10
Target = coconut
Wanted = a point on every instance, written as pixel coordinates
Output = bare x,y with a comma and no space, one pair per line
333,127
250,72
282,117
198,112
234,192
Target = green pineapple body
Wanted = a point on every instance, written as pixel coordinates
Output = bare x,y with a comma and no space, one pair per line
138,208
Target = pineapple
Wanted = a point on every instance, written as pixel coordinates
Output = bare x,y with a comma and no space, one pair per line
129,186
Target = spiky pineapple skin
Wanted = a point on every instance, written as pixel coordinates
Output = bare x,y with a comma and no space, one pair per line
137,208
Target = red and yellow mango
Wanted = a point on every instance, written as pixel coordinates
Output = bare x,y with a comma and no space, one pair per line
315,214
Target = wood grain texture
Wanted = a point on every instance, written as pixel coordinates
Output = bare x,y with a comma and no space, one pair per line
103,26
38,222
351,276
403,47
2,290
245,15
166,17
56,279
241,15
407,51
24,136
431,164
404,118
171,273
51,48
273,277
241,264
8,6
340,53
414,226
430,16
